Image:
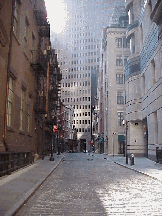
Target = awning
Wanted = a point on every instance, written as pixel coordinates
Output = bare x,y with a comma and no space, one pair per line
121,138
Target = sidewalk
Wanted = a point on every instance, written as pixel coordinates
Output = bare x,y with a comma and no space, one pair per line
16,188
141,164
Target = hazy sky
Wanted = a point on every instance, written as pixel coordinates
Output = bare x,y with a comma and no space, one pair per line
56,10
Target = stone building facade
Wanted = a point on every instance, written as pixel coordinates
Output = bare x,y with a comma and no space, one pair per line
143,78
115,51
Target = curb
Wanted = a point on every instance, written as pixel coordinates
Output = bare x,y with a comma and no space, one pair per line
25,198
137,171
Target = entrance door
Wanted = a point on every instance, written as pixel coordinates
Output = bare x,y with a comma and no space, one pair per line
82,145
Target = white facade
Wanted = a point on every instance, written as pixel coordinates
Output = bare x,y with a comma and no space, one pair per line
114,59
143,78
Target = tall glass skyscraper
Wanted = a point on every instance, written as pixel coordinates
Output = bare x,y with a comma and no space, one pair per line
79,59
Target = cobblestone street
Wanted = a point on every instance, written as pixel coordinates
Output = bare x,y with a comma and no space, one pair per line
90,185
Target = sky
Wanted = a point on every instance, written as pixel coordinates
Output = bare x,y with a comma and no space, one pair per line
56,13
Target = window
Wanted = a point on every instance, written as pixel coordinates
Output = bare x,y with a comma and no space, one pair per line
119,61
153,72
132,44
10,101
120,98
16,17
26,34
143,83
155,119
33,46
118,42
33,41
22,108
119,78
125,60
120,118
126,43
29,114
131,14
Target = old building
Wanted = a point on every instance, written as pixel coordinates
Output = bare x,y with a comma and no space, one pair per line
30,78
143,78
5,46
115,51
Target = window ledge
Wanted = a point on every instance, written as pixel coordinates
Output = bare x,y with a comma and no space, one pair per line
25,53
21,132
29,134
10,129
16,38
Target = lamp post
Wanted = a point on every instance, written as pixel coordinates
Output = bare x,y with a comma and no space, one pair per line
126,128
113,142
53,130
52,158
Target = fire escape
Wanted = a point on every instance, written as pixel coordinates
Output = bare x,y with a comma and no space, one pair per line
39,61
54,89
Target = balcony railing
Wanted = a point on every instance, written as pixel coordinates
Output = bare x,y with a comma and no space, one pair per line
40,17
44,31
53,94
56,71
11,161
38,62
40,105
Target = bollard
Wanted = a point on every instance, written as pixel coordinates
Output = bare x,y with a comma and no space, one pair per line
126,158
132,159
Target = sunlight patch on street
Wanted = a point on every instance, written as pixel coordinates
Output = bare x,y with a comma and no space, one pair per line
123,199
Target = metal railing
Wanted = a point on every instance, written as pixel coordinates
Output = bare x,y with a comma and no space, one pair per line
40,105
11,161
38,61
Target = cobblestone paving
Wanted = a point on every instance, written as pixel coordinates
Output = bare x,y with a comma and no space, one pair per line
95,187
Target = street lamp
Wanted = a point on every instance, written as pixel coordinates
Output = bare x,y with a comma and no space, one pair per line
52,158
113,142
125,123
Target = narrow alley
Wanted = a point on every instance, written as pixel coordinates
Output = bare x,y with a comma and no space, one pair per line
86,184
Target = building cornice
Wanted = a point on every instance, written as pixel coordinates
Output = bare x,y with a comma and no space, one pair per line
156,14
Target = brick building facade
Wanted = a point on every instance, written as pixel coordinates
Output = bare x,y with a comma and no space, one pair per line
30,76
